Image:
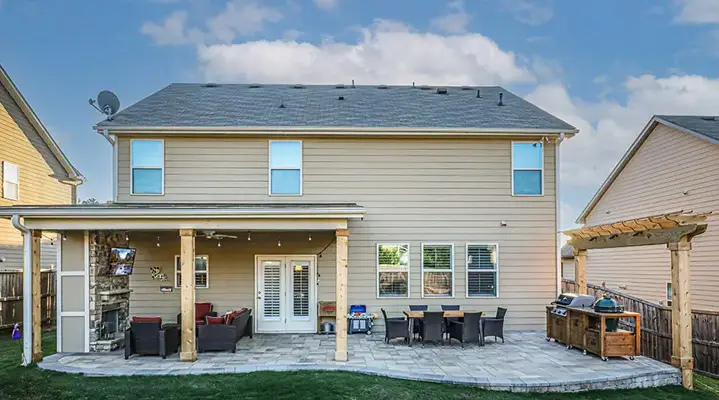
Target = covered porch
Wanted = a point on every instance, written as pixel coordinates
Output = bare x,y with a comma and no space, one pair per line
168,240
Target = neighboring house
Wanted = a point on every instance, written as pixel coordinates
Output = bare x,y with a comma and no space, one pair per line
568,262
672,165
33,170
444,196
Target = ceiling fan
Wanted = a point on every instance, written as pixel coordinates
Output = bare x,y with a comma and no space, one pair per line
217,236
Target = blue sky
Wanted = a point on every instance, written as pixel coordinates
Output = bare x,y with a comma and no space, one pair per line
605,66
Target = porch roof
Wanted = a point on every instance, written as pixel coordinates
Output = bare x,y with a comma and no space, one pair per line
309,216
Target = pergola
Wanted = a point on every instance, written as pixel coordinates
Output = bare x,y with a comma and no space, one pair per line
676,230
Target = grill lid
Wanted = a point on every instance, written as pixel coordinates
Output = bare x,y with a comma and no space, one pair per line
607,305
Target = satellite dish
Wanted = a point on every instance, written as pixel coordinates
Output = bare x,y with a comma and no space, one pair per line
107,103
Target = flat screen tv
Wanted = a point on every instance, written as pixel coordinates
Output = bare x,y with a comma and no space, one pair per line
121,261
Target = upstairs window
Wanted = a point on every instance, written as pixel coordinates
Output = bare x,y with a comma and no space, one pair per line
527,169
285,167
147,159
482,269
11,181
202,266
392,270
437,270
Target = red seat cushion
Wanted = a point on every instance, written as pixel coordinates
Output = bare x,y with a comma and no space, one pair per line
215,320
201,309
147,319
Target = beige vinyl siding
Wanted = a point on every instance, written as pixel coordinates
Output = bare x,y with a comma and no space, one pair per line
39,172
415,190
668,164
568,268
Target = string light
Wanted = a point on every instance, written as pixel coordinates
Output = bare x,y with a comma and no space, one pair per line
158,241
64,236
219,244
127,236
279,244
248,236
310,238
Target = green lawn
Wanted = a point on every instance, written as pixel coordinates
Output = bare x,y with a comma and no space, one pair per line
32,383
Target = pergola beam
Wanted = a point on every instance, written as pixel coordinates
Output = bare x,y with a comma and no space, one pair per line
637,238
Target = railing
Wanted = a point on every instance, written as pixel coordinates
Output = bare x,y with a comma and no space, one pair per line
657,328
11,297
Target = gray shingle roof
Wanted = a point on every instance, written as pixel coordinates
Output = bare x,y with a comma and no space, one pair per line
240,105
701,124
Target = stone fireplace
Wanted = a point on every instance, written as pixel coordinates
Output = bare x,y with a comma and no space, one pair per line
109,295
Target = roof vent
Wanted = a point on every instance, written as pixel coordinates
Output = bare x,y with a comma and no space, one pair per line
298,86
425,87
441,90
382,87
340,86
479,95
254,85
709,118
467,88
501,96
211,84
341,98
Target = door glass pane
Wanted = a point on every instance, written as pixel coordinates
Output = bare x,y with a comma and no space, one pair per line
271,295
301,289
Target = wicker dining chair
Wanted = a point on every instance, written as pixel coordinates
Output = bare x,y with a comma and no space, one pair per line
494,326
432,327
417,322
465,331
395,328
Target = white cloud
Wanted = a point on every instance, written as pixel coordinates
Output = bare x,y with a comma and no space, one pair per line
600,79
387,52
530,12
238,18
326,5
455,21
698,11
607,128
292,35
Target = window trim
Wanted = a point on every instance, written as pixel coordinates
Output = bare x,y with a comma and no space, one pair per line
467,270
541,169
269,168
409,269
667,288
132,168
451,270
207,273
17,183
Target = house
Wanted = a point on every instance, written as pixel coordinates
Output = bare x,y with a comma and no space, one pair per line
672,165
33,170
567,253
277,197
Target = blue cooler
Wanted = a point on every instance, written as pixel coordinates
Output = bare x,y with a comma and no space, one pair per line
358,308
358,321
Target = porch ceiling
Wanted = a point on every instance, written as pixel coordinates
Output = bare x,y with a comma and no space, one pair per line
161,216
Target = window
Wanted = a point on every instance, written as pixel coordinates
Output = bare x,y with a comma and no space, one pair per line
11,181
202,266
437,270
285,167
392,270
669,293
147,159
527,169
482,269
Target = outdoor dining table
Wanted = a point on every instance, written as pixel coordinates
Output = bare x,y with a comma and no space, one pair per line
447,314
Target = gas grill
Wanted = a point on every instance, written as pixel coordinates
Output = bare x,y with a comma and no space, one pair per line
571,300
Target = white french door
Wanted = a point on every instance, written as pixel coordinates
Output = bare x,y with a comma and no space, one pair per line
286,294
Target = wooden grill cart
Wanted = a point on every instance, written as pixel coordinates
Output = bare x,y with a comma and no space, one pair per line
587,330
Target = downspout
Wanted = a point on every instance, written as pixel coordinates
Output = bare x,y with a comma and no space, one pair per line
557,197
27,290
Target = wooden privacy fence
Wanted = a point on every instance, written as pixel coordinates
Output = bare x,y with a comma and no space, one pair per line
657,328
11,297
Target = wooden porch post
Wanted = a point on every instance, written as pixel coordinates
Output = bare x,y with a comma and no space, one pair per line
36,297
682,310
580,270
188,350
341,293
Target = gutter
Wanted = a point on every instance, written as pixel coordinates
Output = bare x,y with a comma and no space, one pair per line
558,218
27,290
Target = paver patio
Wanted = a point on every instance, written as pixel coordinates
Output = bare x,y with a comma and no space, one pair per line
525,362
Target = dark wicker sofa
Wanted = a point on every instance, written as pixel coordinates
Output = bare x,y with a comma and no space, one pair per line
224,336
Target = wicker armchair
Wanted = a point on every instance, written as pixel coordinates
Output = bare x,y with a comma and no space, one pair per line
465,331
432,324
395,328
151,338
494,326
